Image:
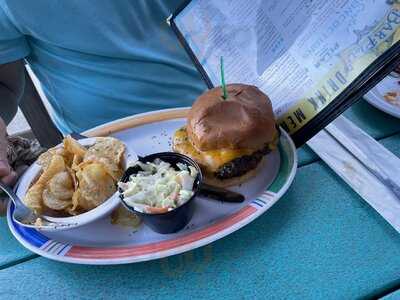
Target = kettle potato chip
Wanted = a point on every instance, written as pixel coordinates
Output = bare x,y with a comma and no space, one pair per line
112,169
106,147
46,157
51,201
76,162
62,186
56,165
109,152
73,177
72,146
121,216
95,185
76,199
33,198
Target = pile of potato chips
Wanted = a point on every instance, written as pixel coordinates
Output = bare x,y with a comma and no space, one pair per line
76,179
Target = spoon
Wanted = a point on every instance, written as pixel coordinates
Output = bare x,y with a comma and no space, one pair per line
27,218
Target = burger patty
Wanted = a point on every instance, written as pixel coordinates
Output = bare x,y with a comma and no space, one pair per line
241,165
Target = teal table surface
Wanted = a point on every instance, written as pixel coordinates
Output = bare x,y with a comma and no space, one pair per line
320,241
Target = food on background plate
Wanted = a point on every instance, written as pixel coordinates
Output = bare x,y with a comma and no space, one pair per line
158,187
75,178
392,98
229,138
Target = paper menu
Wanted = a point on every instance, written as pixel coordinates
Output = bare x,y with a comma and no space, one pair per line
303,54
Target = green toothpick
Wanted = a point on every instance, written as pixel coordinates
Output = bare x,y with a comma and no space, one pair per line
223,85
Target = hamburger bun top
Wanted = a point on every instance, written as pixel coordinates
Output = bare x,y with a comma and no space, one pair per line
244,120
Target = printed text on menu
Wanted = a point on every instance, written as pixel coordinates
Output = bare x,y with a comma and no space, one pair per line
301,53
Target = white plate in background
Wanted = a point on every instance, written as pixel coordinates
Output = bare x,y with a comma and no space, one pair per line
376,98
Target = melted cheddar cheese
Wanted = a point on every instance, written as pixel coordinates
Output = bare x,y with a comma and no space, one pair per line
212,159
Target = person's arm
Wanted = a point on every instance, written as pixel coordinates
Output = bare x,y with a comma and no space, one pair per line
12,82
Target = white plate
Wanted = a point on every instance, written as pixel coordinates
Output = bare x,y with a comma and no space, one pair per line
376,98
103,243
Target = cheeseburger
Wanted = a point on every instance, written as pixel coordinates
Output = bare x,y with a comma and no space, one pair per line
228,138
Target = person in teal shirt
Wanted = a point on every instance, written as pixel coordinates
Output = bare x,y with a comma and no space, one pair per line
97,61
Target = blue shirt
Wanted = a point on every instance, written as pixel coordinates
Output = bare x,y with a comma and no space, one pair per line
100,60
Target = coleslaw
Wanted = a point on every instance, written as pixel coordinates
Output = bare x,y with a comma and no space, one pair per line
159,187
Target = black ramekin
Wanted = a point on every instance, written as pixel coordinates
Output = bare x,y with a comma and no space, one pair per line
176,219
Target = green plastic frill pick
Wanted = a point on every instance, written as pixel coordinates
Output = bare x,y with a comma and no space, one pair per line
223,85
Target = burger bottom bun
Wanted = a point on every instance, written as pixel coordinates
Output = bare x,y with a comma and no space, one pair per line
213,181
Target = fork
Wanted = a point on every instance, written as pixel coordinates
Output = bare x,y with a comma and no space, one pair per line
27,218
